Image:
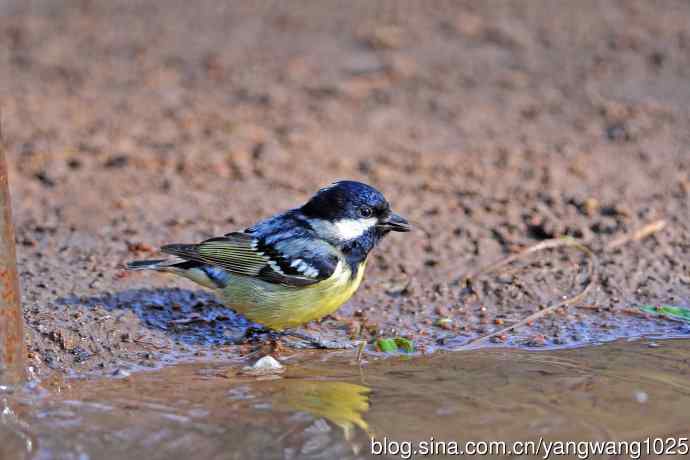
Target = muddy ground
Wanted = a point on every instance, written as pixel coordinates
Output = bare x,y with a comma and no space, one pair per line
492,125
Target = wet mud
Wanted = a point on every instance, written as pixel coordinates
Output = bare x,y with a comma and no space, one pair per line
130,125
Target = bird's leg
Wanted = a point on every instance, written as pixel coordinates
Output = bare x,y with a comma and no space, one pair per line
253,331
318,342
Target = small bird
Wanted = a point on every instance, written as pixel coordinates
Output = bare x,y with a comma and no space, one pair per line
296,266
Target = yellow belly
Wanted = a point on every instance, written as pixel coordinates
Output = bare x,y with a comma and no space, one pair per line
279,307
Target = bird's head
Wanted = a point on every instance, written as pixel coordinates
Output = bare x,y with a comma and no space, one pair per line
347,210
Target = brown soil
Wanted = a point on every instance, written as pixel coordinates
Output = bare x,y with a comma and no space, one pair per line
134,124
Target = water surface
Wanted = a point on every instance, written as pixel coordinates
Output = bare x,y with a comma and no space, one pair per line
325,406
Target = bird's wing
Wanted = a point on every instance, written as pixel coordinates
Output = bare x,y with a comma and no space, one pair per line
293,261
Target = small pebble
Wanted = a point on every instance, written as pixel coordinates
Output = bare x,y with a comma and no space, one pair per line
264,366
444,323
121,373
441,311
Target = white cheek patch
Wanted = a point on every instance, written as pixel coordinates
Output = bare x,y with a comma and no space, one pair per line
343,229
349,229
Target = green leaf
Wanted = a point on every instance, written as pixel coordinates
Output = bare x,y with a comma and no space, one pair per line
404,344
395,344
668,310
386,345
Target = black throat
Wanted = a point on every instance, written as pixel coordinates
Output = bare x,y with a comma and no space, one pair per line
357,250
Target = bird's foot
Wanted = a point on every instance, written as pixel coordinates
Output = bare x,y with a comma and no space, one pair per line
252,333
318,342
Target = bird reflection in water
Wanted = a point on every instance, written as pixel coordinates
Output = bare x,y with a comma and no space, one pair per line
342,403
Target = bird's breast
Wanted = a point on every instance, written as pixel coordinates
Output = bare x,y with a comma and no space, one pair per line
279,307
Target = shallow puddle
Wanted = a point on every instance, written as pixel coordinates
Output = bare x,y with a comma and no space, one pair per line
325,406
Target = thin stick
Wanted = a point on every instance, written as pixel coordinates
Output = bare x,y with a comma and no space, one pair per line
548,244
360,351
638,235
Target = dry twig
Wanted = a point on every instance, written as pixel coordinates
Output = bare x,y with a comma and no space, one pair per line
548,244
639,234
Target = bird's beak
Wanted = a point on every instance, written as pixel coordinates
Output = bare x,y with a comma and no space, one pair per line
394,222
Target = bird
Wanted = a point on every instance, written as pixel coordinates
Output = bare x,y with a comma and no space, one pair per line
294,267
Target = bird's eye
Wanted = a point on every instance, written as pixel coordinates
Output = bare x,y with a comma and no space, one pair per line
366,211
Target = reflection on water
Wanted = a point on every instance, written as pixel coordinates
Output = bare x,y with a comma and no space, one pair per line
328,409
15,436
341,403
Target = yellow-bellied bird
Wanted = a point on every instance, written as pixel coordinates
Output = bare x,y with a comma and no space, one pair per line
296,266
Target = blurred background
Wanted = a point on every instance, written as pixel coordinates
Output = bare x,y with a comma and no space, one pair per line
493,125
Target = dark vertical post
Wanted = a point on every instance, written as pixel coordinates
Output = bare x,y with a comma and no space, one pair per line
11,319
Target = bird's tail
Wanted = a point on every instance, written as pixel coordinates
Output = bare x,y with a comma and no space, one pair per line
160,264
207,276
